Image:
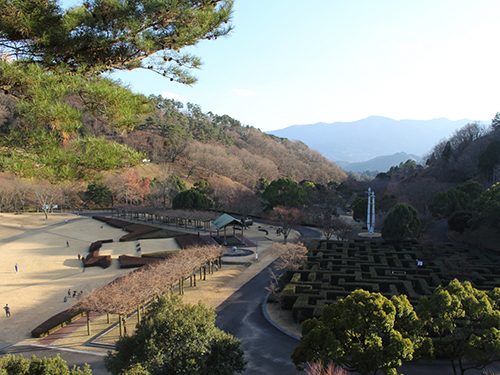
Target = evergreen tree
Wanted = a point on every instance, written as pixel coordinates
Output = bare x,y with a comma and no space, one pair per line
401,224
10,364
282,192
104,35
447,152
191,199
360,208
364,332
464,324
495,122
98,193
177,338
53,61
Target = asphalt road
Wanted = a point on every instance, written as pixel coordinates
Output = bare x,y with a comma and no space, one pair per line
267,349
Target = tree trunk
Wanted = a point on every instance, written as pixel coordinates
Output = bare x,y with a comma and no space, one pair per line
88,323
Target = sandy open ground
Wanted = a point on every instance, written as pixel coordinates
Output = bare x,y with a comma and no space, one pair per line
47,267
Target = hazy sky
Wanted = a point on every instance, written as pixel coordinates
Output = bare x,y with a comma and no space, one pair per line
291,62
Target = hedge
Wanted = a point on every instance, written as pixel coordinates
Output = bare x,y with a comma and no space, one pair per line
137,230
94,259
127,261
56,322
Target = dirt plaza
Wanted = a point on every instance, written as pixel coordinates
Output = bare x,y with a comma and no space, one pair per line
47,268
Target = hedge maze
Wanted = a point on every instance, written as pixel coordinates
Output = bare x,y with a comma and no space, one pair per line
334,269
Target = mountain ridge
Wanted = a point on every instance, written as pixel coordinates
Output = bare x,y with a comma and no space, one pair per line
380,163
365,139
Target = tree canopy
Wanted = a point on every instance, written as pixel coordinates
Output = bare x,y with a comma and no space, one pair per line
98,193
54,63
191,199
359,208
464,324
486,209
401,224
10,364
177,338
104,35
364,332
284,192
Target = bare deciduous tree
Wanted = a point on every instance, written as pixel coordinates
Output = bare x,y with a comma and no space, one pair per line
342,228
289,256
127,293
274,288
287,218
318,368
47,196
7,193
24,193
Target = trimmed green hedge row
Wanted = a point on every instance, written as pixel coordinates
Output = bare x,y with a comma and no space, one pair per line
127,261
334,269
56,322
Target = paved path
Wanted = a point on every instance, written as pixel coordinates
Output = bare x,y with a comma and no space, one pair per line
267,349
67,329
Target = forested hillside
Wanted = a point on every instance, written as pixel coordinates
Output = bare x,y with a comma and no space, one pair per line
184,138
221,146
459,184
171,149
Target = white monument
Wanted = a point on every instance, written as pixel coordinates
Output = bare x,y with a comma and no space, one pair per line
370,215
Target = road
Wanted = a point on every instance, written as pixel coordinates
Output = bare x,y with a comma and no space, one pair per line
267,349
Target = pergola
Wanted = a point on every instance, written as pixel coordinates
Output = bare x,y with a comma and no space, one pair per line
224,221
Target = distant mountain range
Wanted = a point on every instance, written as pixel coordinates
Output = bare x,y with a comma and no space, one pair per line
374,136
380,163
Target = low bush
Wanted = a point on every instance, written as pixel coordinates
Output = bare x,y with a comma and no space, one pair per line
137,230
190,240
57,321
94,259
127,261
160,254
95,246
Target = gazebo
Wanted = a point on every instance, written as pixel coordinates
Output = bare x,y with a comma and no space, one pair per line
224,221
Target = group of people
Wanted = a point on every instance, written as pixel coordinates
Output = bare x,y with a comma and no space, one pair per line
74,295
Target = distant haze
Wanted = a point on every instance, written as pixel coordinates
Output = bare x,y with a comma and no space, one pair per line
380,163
374,136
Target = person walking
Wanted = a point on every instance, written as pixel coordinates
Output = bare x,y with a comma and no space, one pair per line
16,267
67,244
7,310
69,292
79,257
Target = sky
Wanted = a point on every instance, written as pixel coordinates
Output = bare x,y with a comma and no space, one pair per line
290,62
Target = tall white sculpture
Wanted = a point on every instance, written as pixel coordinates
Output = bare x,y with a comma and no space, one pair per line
370,215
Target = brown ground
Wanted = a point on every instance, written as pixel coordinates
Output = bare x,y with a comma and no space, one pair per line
48,268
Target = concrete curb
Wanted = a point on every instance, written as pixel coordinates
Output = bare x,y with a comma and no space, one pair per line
60,348
264,311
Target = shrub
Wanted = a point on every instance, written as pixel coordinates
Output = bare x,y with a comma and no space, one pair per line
57,321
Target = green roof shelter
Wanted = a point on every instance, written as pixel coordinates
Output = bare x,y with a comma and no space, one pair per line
224,221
